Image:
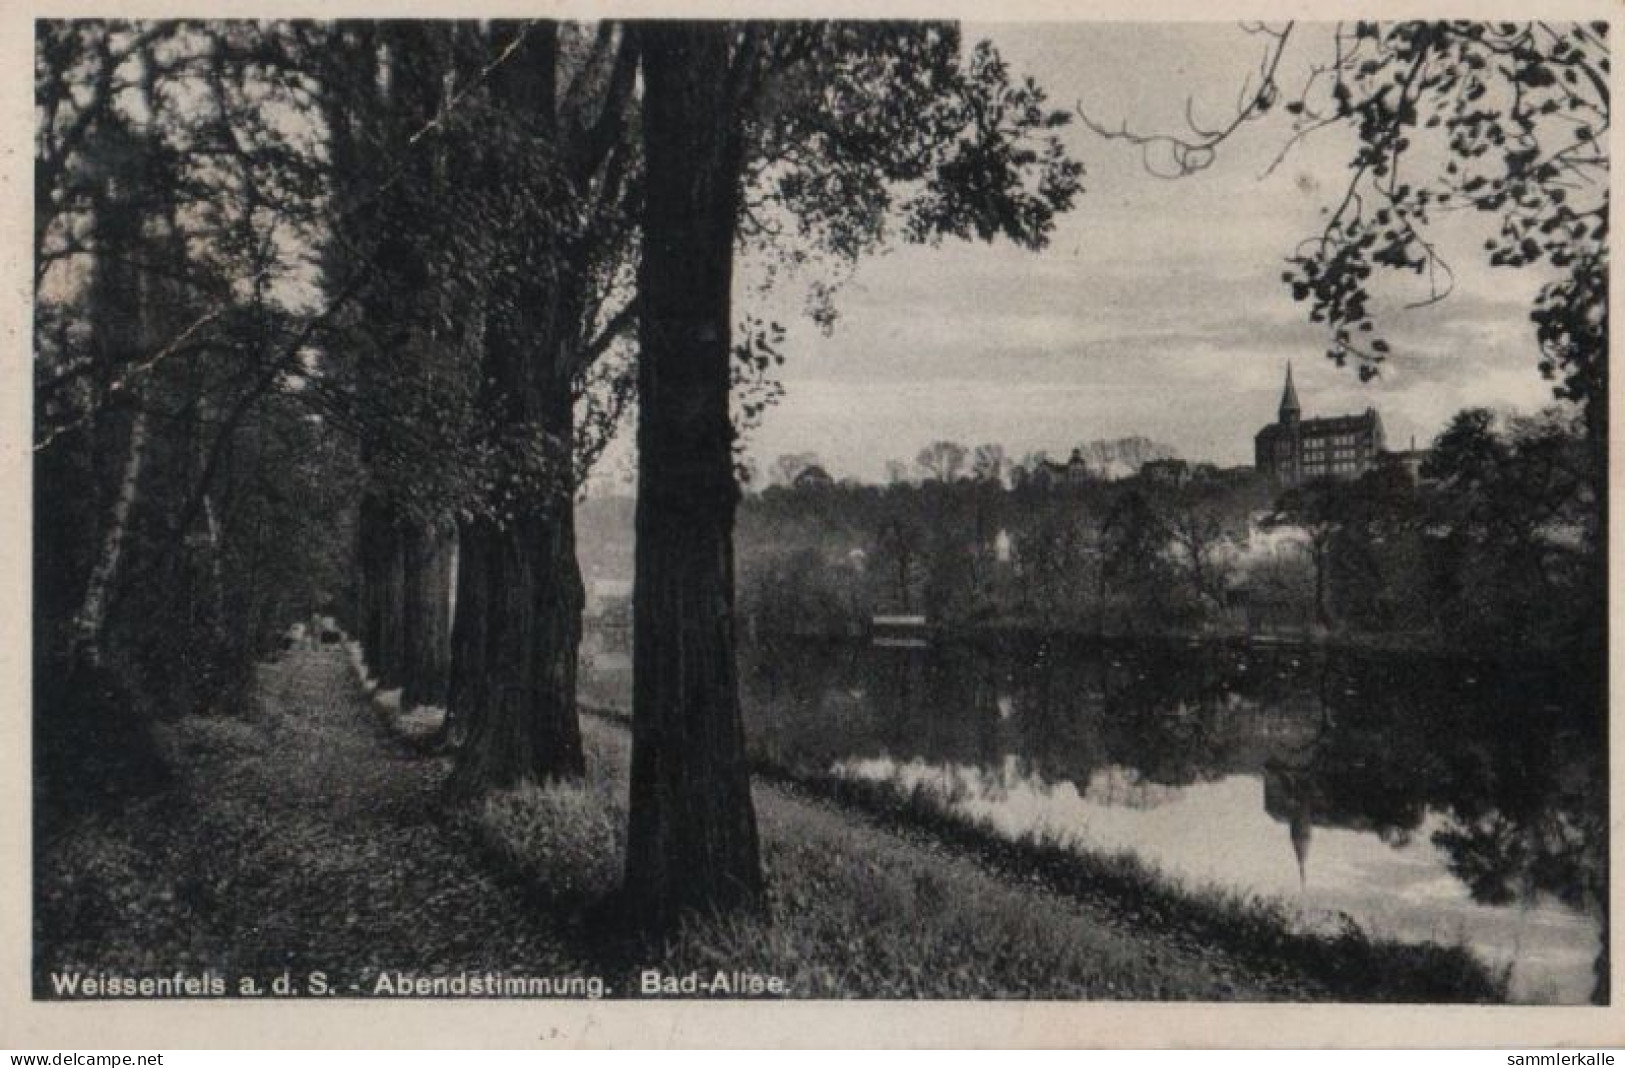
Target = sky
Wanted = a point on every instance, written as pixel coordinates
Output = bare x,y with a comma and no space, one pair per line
1158,308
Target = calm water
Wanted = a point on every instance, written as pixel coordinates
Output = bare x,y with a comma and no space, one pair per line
1454,802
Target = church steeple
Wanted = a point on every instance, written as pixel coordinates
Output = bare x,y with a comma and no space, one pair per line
1290,411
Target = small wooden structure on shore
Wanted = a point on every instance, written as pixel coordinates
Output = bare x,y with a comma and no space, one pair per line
900,631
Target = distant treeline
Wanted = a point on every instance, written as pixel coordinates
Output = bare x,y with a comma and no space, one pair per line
1495,540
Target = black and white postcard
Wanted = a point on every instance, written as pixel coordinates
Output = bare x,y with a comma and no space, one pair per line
883,526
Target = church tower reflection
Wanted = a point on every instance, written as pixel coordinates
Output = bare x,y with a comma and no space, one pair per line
1302,830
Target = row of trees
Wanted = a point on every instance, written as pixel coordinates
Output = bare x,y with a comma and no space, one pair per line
444,241
1498,544
1120,557
949,461
188,494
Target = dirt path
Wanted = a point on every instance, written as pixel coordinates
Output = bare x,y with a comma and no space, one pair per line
299,837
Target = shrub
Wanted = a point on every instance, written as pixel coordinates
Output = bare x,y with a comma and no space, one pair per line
562,837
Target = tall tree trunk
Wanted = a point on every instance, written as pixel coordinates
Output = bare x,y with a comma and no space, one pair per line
372,552
520,716
216,565
526,727
382,591
91,619
426,563
692,839
466,688
391,605
121,317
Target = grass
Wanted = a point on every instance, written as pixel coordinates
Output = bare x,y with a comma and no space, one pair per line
878,892
863,916
853,910
1349,964
564,840
293,835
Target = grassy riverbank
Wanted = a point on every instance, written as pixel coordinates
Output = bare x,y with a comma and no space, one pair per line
877,893
310,833
858,909
1348,964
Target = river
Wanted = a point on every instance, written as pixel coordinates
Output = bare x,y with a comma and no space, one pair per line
1424,799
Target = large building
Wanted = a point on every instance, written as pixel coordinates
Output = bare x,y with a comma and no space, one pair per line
1295,450
1047,474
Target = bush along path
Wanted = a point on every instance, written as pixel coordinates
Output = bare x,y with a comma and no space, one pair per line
293,839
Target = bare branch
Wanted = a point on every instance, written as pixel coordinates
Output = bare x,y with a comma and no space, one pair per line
1195,153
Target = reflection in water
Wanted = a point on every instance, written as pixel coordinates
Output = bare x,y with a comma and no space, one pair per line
1426,801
